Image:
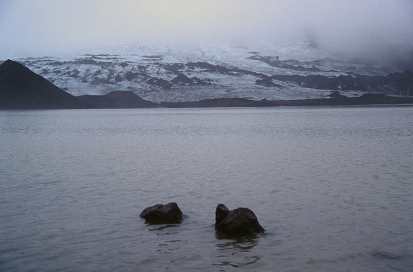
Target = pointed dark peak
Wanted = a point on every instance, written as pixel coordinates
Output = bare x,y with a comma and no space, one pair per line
23,89
13,67
10,63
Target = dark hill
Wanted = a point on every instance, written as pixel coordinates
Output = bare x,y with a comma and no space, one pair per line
20,88
114,100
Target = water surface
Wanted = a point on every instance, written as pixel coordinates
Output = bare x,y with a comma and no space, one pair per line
332,186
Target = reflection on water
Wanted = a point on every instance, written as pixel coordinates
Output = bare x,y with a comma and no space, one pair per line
237,253
161,227
386,255
332,187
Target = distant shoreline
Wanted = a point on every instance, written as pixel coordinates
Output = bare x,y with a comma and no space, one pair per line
200,105
338,100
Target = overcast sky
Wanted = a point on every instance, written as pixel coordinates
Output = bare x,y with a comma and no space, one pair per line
379,28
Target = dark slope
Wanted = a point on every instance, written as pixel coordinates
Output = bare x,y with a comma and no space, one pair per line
113,100
20,88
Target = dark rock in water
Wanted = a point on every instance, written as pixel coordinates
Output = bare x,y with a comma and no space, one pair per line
220,213
162,214
236,223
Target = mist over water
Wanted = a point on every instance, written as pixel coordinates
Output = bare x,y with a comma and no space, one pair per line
376,30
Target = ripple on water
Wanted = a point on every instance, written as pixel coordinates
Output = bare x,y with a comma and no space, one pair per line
237,253
328,184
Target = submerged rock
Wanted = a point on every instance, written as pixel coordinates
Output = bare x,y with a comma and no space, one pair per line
236,223
162,214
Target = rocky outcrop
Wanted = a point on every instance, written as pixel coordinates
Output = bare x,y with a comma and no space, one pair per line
396,83
236,223
287,64
266,82
182,79
162,214
162,83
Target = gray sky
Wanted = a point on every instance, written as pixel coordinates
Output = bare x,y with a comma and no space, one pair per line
358,28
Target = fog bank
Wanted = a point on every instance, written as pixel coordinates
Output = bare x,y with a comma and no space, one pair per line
373,29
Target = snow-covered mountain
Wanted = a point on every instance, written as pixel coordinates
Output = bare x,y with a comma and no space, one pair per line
163,74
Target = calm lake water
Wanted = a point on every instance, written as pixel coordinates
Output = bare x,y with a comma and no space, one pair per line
332,186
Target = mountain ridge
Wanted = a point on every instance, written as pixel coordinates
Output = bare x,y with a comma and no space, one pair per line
21,88
166,76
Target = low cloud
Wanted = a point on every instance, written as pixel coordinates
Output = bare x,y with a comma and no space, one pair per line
367,29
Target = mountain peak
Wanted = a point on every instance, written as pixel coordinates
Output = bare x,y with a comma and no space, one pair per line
11,63
22,88
14,69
